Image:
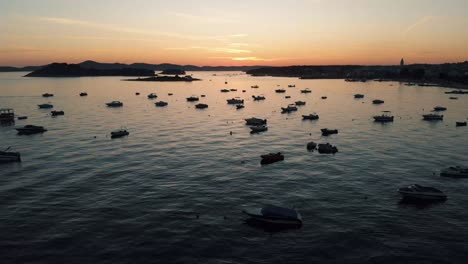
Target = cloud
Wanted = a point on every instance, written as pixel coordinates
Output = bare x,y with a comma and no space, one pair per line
203,19
211,49
421,22
120,29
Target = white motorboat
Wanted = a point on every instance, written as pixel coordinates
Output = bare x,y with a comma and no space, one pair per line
433,117
455,172
7,115
440,108
384,117
258,97
115,104
275,215
8,156
419,192
152,96
235,101
161,104
30,129
327,148
257,129
289,108
201,106
313,116
119,133
253,121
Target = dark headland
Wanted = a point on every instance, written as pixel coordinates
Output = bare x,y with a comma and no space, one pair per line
447,74
173,72
75,70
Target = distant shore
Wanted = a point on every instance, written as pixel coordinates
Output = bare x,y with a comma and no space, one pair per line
164,79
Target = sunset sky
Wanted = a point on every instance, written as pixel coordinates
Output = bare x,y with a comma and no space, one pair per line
209,32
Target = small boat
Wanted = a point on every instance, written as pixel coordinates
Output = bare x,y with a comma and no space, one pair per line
419,192
236,100
257,129
378,101
290,108
258,97
324,97
152,96
244,91
358,96
455,172
57,113
298,103
119,133
224,90
453,98
22,117
287,96
457,92
440,108
44,106
459,124
137,93
254,86
115,104
385,117
307,90
201,106
233,90
291,85
240,106
275,215
7,115
47,95
225,82
313,116
192,99
202,95
311,146
8,156
326,131
83,94
280,90
161,103
253,121
170,94
271,158
433,117
30,129
327,148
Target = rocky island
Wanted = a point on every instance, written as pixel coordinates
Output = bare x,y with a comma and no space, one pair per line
157,78
76,70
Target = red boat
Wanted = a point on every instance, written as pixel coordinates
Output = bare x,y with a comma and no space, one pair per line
270,158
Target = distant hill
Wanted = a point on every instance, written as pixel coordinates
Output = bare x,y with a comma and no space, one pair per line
165,66
76,70
20,69
89,64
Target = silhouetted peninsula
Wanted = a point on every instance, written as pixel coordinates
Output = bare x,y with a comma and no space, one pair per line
176,78
447,74
173,72
75,70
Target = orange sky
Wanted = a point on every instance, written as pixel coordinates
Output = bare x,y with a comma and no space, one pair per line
233,33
